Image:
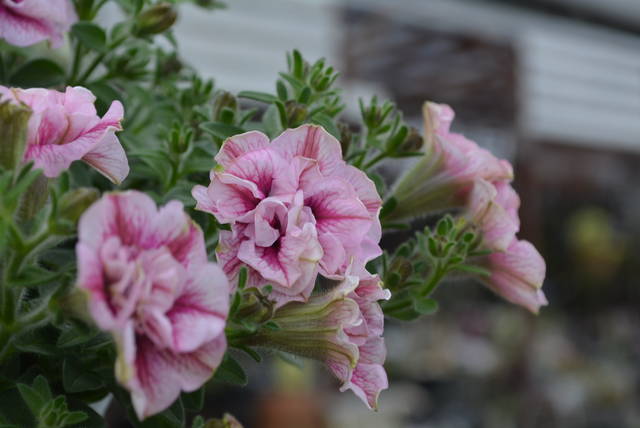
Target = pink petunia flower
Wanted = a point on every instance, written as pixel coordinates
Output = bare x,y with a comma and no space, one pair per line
342,328
444,176
26,22
517,275
64,127
368,377
295,208
148,282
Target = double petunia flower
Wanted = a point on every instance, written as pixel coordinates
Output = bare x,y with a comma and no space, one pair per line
296,210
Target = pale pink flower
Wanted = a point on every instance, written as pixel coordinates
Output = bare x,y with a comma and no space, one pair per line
493,209
342,328
26,22
517,275
64,127
368,377
444,176
292,203
148,282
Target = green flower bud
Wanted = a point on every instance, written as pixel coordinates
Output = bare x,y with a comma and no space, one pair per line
224,99
346,136
414,141
155,20
34,198
13,133
296,113
227,421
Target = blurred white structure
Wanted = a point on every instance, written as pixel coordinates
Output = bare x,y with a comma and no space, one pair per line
578,83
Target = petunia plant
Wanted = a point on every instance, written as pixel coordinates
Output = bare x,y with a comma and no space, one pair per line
201,221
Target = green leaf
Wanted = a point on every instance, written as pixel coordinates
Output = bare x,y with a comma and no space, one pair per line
77,379
326,122
90,35
425,305
221,130
258,96
281,90
74,418
305,95
298,64
472,269
39,72
231,371
75,333
173,417
272,121
193,401
32,397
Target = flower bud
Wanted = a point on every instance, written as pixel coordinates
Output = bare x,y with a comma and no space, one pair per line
296,113
316,329
224,99
34,198
13,133
346,136
227,421
155,20
414,141
75,202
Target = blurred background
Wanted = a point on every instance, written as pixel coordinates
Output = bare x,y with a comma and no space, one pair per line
552,85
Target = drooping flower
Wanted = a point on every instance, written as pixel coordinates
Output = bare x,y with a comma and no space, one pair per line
64,127
493,209
444,176
26,22
148,282
342,328
517,274
295,209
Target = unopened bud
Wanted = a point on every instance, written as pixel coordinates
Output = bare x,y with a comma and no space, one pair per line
75,202
14,119
414,141
227,421
345,137
155,20
402,267
34,198
296,113
223,100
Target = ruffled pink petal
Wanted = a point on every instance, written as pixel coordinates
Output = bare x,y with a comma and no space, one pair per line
517,275
158,376
239,145
339,213
313,142
109,158
198,315
26,22
367,381
497,224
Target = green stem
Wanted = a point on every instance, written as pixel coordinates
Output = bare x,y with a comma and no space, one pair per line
434,279
95,63
76,63
374,161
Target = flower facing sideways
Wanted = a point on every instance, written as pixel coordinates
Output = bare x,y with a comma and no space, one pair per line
295,207
149,283
445,174
26,22
64,127
342,328
517,275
